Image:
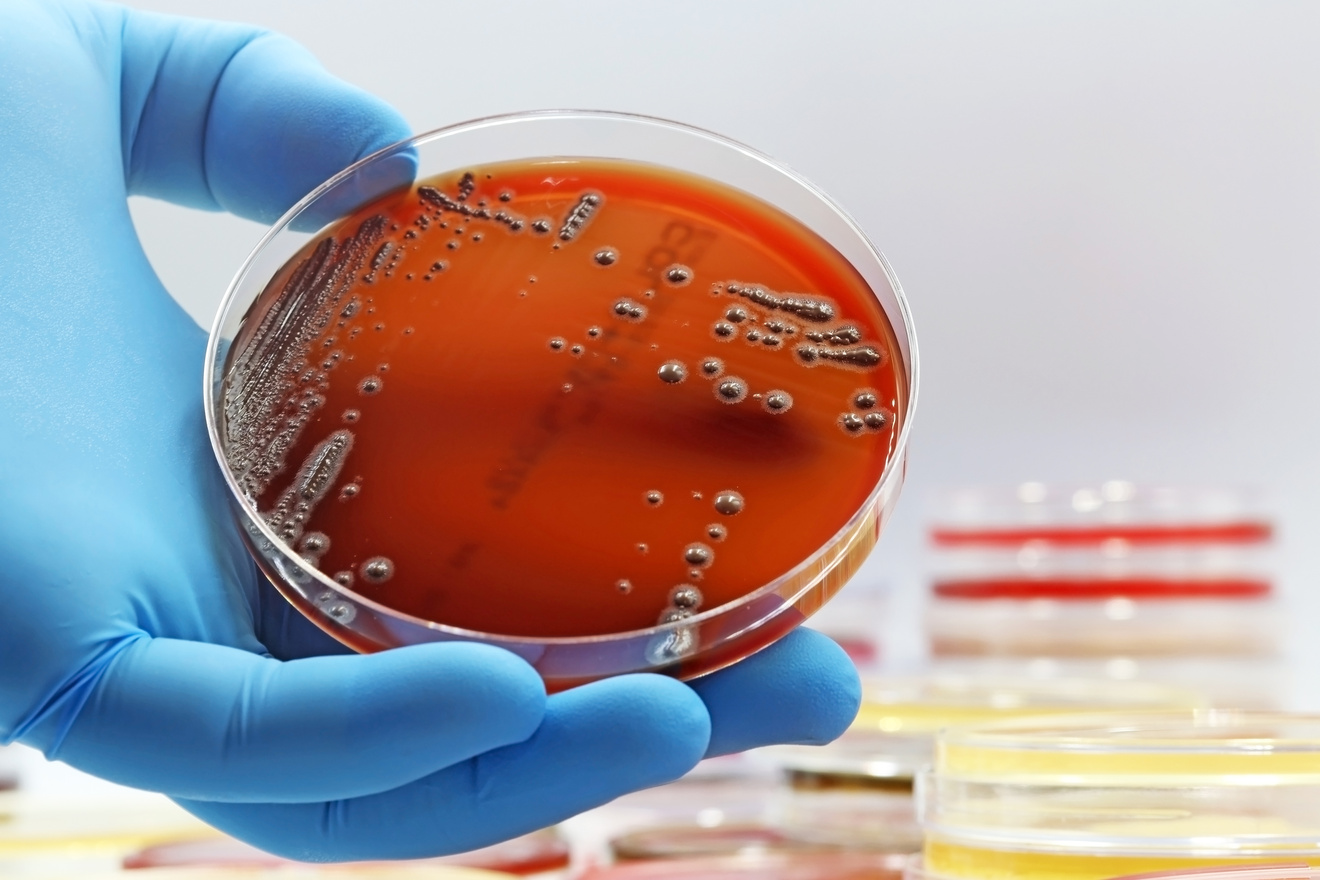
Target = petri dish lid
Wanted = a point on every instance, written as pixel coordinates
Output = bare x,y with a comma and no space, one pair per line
529,854
928,704
893,735
33,824
372,870
1287,871
762,866
1161,750
1092,514
691,841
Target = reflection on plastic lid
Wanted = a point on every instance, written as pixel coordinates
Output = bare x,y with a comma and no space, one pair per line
771,866
529,854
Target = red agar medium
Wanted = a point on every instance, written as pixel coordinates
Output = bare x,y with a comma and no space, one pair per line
563,398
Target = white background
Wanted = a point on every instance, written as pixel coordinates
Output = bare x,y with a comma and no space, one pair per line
1105,214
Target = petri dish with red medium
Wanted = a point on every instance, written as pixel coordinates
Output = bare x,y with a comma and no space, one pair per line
761,866
611,392
1111,569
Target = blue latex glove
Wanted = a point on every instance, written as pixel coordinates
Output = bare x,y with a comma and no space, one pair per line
138,641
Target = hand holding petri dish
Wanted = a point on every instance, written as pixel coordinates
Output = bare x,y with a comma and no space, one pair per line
610,392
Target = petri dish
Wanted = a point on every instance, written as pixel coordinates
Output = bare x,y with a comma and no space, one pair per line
45,825
375,871
858,791
585,378
1112,569
529,854
1293,871
1106,795
916,870
760,866
693,841
1081,515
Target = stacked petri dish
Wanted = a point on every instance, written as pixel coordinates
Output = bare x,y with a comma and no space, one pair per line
1112,580
1091,797
857,793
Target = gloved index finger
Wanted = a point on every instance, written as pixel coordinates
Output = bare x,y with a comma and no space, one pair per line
204,721
231,117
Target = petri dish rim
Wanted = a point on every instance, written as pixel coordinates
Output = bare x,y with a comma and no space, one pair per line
890,479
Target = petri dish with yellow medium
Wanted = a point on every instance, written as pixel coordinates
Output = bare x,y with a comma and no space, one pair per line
1092,797
857,791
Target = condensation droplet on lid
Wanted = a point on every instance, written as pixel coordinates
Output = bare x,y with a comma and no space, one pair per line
728,502
377,569
672,372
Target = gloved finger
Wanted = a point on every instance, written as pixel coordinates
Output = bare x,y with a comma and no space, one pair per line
205,721
597,742
225,116
802,689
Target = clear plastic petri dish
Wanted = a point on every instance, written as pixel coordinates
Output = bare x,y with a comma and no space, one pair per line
373,871
760,866
44,825
1292,871
696,841
477,519
1113,569
532,853
1093,797
857,791
1094,515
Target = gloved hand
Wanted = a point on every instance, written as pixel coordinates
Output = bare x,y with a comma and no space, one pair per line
138,641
